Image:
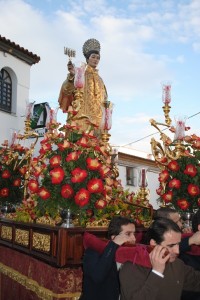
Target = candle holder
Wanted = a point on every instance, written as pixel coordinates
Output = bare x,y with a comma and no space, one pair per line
114,160
168,150
66,215
143,183
106,122
166,97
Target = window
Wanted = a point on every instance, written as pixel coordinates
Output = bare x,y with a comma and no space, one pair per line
5,91
131,176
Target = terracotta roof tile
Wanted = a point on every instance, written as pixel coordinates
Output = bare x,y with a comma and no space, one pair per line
16,50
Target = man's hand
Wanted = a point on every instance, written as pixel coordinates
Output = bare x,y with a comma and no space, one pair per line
195,239
159,258
121,239
187,230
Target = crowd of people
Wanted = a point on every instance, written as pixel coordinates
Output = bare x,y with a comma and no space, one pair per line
173,271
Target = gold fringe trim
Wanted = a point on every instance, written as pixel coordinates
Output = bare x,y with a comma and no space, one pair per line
30,284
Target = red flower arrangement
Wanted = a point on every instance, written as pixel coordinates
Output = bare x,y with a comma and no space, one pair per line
74,170
180,180
12,171
70,172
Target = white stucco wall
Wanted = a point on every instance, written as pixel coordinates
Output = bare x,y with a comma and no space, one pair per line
20,75
152,179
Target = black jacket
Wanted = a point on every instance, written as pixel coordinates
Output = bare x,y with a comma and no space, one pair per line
100,275
190,260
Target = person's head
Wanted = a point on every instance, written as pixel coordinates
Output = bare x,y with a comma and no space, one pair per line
70,67
91,51
170,213
123,225
166,233
196,221
93,59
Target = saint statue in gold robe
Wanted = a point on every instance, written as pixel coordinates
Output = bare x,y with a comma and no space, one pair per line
94,90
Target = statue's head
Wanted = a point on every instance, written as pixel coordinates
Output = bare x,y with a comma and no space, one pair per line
91,47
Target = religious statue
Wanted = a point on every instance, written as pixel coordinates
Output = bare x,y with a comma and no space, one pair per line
93,92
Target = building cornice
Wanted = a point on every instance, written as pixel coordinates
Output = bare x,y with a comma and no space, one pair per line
14,49
123,158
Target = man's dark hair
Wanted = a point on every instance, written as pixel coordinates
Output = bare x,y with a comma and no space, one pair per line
196,221
114,227
164,212
158,228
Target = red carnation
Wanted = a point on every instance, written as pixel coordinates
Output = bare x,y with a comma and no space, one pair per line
93,163
57,175
175,183
162,160
66,191
173,165
73,156
55,161
44,193
6,174
82,197
183,204
17,182
167,197
163,176
45,148
89,213
159,191
100,204
33,186
78,175
193,189
95,185
23,170
104,170
83,142
4,192
190,170
64,145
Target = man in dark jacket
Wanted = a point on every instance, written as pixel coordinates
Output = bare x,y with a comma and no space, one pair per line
168,275
187,241
192,259
100,274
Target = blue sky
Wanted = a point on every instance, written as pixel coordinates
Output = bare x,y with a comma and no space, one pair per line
143,43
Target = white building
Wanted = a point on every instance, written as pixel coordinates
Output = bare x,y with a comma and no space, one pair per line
130,163
15,64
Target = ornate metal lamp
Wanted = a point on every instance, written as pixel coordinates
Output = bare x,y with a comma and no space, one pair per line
168,149
106,123
143,183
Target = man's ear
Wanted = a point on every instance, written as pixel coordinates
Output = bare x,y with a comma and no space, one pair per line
152,242
198,227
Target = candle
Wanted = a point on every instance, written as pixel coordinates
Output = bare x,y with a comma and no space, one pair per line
143,178
166,97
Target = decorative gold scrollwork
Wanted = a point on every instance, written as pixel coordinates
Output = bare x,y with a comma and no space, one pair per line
6,232
41,242
22,237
